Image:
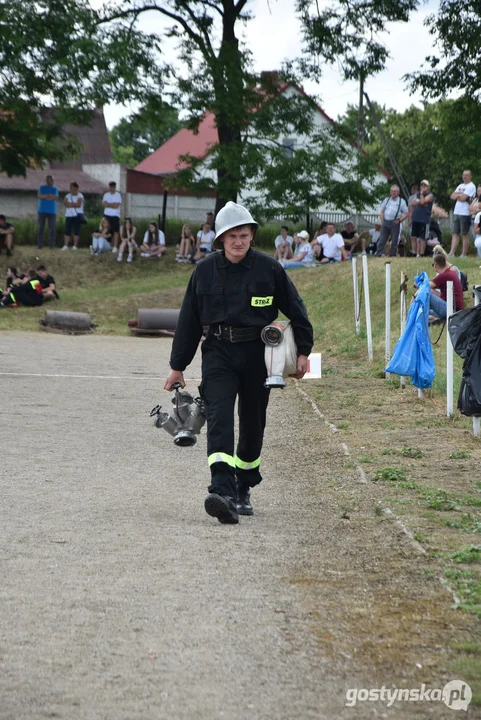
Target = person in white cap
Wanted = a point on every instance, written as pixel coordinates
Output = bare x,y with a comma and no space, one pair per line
303,254
235,293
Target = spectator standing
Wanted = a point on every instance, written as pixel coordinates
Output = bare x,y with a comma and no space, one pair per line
205,238
112,201
47,211
101,238
74,208
303,254
283,244
47,282
392,212
332,246
475,206
477,233
186,244
7,232
421,209
154,242
127,240
464,194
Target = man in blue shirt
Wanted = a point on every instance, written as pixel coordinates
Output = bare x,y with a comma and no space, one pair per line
47,211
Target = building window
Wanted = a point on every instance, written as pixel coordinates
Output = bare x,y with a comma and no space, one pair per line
288,144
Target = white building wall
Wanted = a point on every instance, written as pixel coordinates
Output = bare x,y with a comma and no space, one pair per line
16,205
179,207
108,172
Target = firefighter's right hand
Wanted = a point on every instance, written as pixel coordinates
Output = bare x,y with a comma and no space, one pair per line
175,376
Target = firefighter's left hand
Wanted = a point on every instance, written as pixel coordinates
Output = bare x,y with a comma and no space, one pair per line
301,367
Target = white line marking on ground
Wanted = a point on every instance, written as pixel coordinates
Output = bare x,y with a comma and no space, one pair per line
92,377
363,478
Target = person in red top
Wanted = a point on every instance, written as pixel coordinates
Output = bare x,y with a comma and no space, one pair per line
437,301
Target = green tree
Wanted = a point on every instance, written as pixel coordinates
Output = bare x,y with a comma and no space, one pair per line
347,33
136,137
253,113
437,141
58,54
456,63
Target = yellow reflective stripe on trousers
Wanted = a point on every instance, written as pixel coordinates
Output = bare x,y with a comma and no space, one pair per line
221,457
247,465
12,297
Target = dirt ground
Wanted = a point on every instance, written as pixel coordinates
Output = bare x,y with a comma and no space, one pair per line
122,600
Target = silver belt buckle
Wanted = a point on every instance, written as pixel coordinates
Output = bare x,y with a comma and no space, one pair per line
217,334
231,337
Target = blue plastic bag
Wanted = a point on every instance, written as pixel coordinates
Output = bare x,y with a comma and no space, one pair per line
413,354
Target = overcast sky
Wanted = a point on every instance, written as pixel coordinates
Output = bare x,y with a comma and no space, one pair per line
275,35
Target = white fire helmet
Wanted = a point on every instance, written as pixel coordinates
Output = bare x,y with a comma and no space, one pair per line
232,215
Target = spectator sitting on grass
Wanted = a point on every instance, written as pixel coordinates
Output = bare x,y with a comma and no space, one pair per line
14,278
303,254
48,284
437,301
127,239
29,293
101,238
205,238
154,242
186,245
320,231
375,232
353,239
7,232
331,245
283,244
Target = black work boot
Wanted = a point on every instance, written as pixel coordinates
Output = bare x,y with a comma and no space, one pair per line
221,507
244,505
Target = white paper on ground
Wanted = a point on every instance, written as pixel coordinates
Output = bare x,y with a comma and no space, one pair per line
313,367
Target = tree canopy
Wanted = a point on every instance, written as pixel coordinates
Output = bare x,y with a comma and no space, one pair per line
136,137
456,63
422,141
58,54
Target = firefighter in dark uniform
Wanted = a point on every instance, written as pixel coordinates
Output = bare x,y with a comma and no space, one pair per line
235,293
28,293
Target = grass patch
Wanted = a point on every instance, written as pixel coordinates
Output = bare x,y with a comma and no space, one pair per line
414,453
460,455
468,555
390,475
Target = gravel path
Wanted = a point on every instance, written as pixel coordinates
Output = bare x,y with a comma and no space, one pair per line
120,599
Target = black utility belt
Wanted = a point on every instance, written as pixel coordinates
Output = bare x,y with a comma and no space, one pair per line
234,334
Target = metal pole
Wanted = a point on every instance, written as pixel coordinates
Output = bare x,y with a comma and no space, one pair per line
387,332
357,313
164,211
367,305
404,280
449,352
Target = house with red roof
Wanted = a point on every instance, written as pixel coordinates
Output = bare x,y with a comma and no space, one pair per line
167,159
93,168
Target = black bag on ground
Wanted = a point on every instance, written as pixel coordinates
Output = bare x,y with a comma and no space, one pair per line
465,331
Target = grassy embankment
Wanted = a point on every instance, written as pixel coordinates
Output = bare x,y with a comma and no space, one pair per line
424,464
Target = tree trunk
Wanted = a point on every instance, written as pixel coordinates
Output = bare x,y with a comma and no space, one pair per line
229,110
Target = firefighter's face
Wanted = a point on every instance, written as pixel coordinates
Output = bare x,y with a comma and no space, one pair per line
237,242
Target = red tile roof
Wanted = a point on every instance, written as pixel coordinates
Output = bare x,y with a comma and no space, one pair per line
62,179
165,159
